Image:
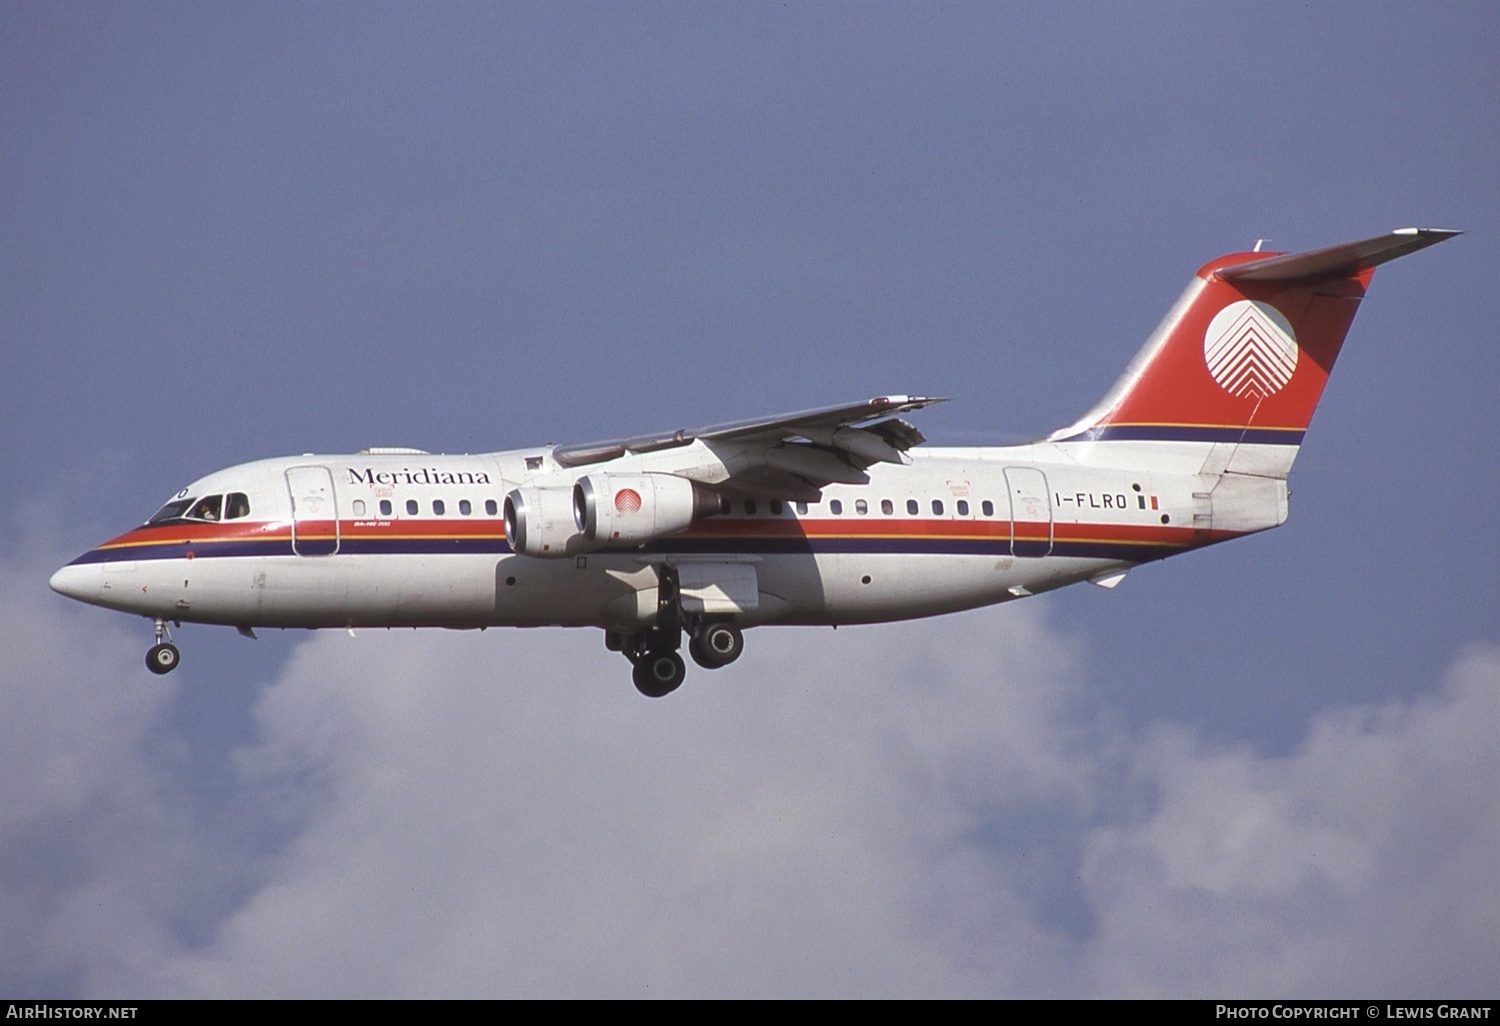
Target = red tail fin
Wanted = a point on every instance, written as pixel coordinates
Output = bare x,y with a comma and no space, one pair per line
1244,355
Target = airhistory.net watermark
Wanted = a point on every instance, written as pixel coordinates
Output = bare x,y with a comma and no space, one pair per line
46,1010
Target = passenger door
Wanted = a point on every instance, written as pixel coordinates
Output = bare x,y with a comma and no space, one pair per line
1030,511
315,517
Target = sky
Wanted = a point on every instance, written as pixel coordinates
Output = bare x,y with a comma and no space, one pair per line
239,231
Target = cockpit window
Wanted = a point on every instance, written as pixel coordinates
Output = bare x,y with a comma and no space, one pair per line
171,511
210,507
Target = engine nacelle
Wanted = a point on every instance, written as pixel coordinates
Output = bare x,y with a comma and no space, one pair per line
539,522
628,509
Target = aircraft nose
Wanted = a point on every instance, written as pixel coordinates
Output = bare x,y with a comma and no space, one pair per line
78,581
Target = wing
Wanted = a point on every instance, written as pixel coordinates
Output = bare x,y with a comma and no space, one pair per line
790,455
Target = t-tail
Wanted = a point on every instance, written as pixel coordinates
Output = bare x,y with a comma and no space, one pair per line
1228,383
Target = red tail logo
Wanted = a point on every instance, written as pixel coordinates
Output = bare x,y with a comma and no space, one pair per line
1244,355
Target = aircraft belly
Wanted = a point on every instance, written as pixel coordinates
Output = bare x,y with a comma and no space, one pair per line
421,590
882,587
324,591
572,592
262,591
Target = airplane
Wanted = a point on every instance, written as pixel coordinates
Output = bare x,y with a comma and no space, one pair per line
827,517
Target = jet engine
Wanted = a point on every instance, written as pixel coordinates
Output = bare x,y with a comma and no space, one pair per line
539,522
620,510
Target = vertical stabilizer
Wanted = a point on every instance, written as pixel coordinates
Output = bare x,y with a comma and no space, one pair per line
1240,362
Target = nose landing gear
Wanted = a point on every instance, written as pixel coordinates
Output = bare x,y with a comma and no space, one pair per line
163,656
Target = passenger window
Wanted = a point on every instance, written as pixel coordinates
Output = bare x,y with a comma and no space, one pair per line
438,508
490,509
988,507
208,508
836,507
963,507
775,507
749,507
861,507
887,507
411,507
236,505
937,506
912,507
359,507
802,509
385,507
464,508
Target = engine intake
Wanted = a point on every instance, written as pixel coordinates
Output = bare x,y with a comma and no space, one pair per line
539,522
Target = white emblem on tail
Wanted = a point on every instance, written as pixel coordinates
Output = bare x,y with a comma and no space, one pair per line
1250,349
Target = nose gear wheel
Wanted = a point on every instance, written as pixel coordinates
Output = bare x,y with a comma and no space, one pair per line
163,656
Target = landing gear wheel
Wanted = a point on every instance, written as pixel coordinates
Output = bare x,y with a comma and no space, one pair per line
716,645
658,674
163,658
695,649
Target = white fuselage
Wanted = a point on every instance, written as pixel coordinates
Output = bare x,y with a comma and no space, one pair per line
418,540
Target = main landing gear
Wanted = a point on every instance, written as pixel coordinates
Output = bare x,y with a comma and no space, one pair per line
716,644
659,668
163,656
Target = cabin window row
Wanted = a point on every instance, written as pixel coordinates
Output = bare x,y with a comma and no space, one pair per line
438,507
862,508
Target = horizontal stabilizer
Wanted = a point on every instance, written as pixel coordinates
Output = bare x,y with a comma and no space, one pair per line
1338,261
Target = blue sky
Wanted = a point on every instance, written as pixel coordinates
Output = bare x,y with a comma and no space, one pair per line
235,232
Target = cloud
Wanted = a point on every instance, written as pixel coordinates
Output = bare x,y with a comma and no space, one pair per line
1363,863
502,814
936,808
83,801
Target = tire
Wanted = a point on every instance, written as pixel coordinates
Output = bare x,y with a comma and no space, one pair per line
717,644
695,649
658,674
163,658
